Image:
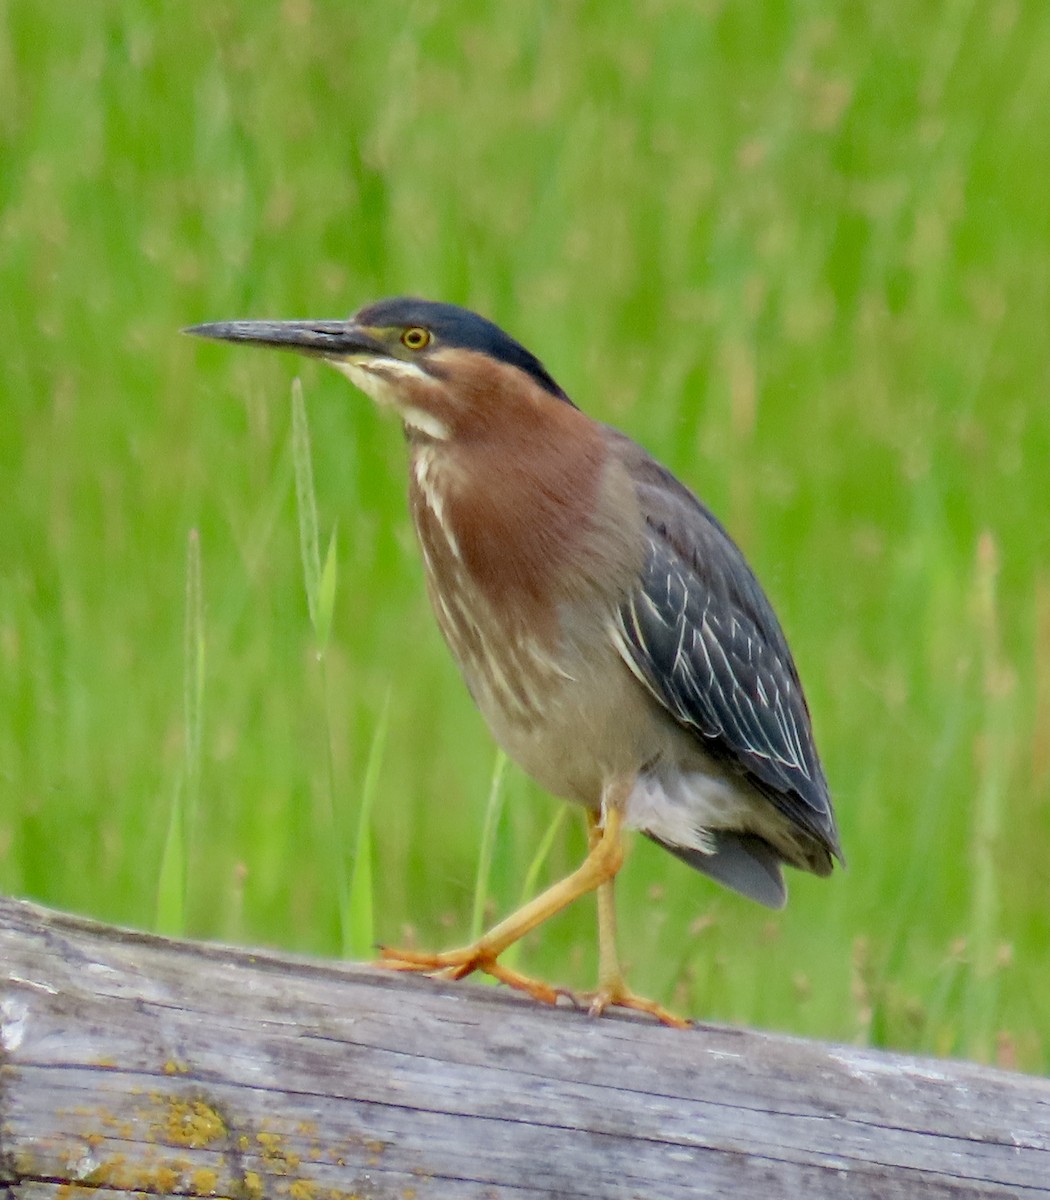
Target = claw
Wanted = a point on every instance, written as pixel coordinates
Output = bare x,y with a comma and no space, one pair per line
620,997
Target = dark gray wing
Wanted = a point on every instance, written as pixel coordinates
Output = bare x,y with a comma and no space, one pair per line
700,634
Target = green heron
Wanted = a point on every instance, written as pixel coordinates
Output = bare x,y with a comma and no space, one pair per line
608,628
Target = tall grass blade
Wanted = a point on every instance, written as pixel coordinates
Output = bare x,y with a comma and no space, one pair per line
170,913
359,922
306,504
172,881
493,811
528,889
320,599
995,741
326,596
193,679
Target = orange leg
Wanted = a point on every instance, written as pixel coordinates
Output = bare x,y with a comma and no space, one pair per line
596,873
613,991
600,865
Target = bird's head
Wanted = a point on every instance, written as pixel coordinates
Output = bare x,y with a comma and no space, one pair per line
443,368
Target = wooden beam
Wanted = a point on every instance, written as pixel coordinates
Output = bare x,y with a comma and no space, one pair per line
132,1065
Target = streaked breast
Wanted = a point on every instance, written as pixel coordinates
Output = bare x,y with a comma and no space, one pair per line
504,659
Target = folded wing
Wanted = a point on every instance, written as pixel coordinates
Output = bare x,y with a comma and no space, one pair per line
699,633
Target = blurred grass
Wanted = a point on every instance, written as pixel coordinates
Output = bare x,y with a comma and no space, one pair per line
801,251
173,881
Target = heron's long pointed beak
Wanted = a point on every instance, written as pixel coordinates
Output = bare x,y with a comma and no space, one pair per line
320,339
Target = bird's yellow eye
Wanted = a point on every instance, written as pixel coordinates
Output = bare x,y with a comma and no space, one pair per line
415,338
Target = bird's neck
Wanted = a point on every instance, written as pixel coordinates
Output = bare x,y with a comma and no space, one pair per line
507,516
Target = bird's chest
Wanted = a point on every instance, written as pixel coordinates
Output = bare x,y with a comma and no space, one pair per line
490,596
529,634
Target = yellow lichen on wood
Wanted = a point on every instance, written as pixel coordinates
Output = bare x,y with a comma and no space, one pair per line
146,1174
204,1182
192,1123
75,1191
253,1185
275,1154
163,1178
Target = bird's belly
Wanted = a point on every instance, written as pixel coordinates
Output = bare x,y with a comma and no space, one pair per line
598,726
575,723
572,749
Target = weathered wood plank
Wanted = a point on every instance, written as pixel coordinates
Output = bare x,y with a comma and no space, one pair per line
133,1065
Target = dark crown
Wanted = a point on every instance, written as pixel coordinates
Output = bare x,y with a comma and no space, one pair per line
462,329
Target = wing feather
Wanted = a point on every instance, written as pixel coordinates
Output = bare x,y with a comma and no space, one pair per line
699,633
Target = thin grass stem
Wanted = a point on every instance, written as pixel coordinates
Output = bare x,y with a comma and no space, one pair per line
173,878
360,917
493,811
320,598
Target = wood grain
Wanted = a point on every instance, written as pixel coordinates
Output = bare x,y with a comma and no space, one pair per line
134,1065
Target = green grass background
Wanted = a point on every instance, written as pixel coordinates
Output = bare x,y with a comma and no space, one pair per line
800,250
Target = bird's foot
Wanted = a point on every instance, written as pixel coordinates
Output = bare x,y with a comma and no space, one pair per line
458,964
618,995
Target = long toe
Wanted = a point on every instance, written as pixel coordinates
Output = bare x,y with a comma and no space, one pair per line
458,964
621,997
536,988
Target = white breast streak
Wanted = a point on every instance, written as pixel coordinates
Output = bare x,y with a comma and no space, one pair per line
424,469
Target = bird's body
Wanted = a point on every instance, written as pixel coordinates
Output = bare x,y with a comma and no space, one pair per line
607,627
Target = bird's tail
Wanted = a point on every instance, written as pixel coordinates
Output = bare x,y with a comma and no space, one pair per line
741,861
